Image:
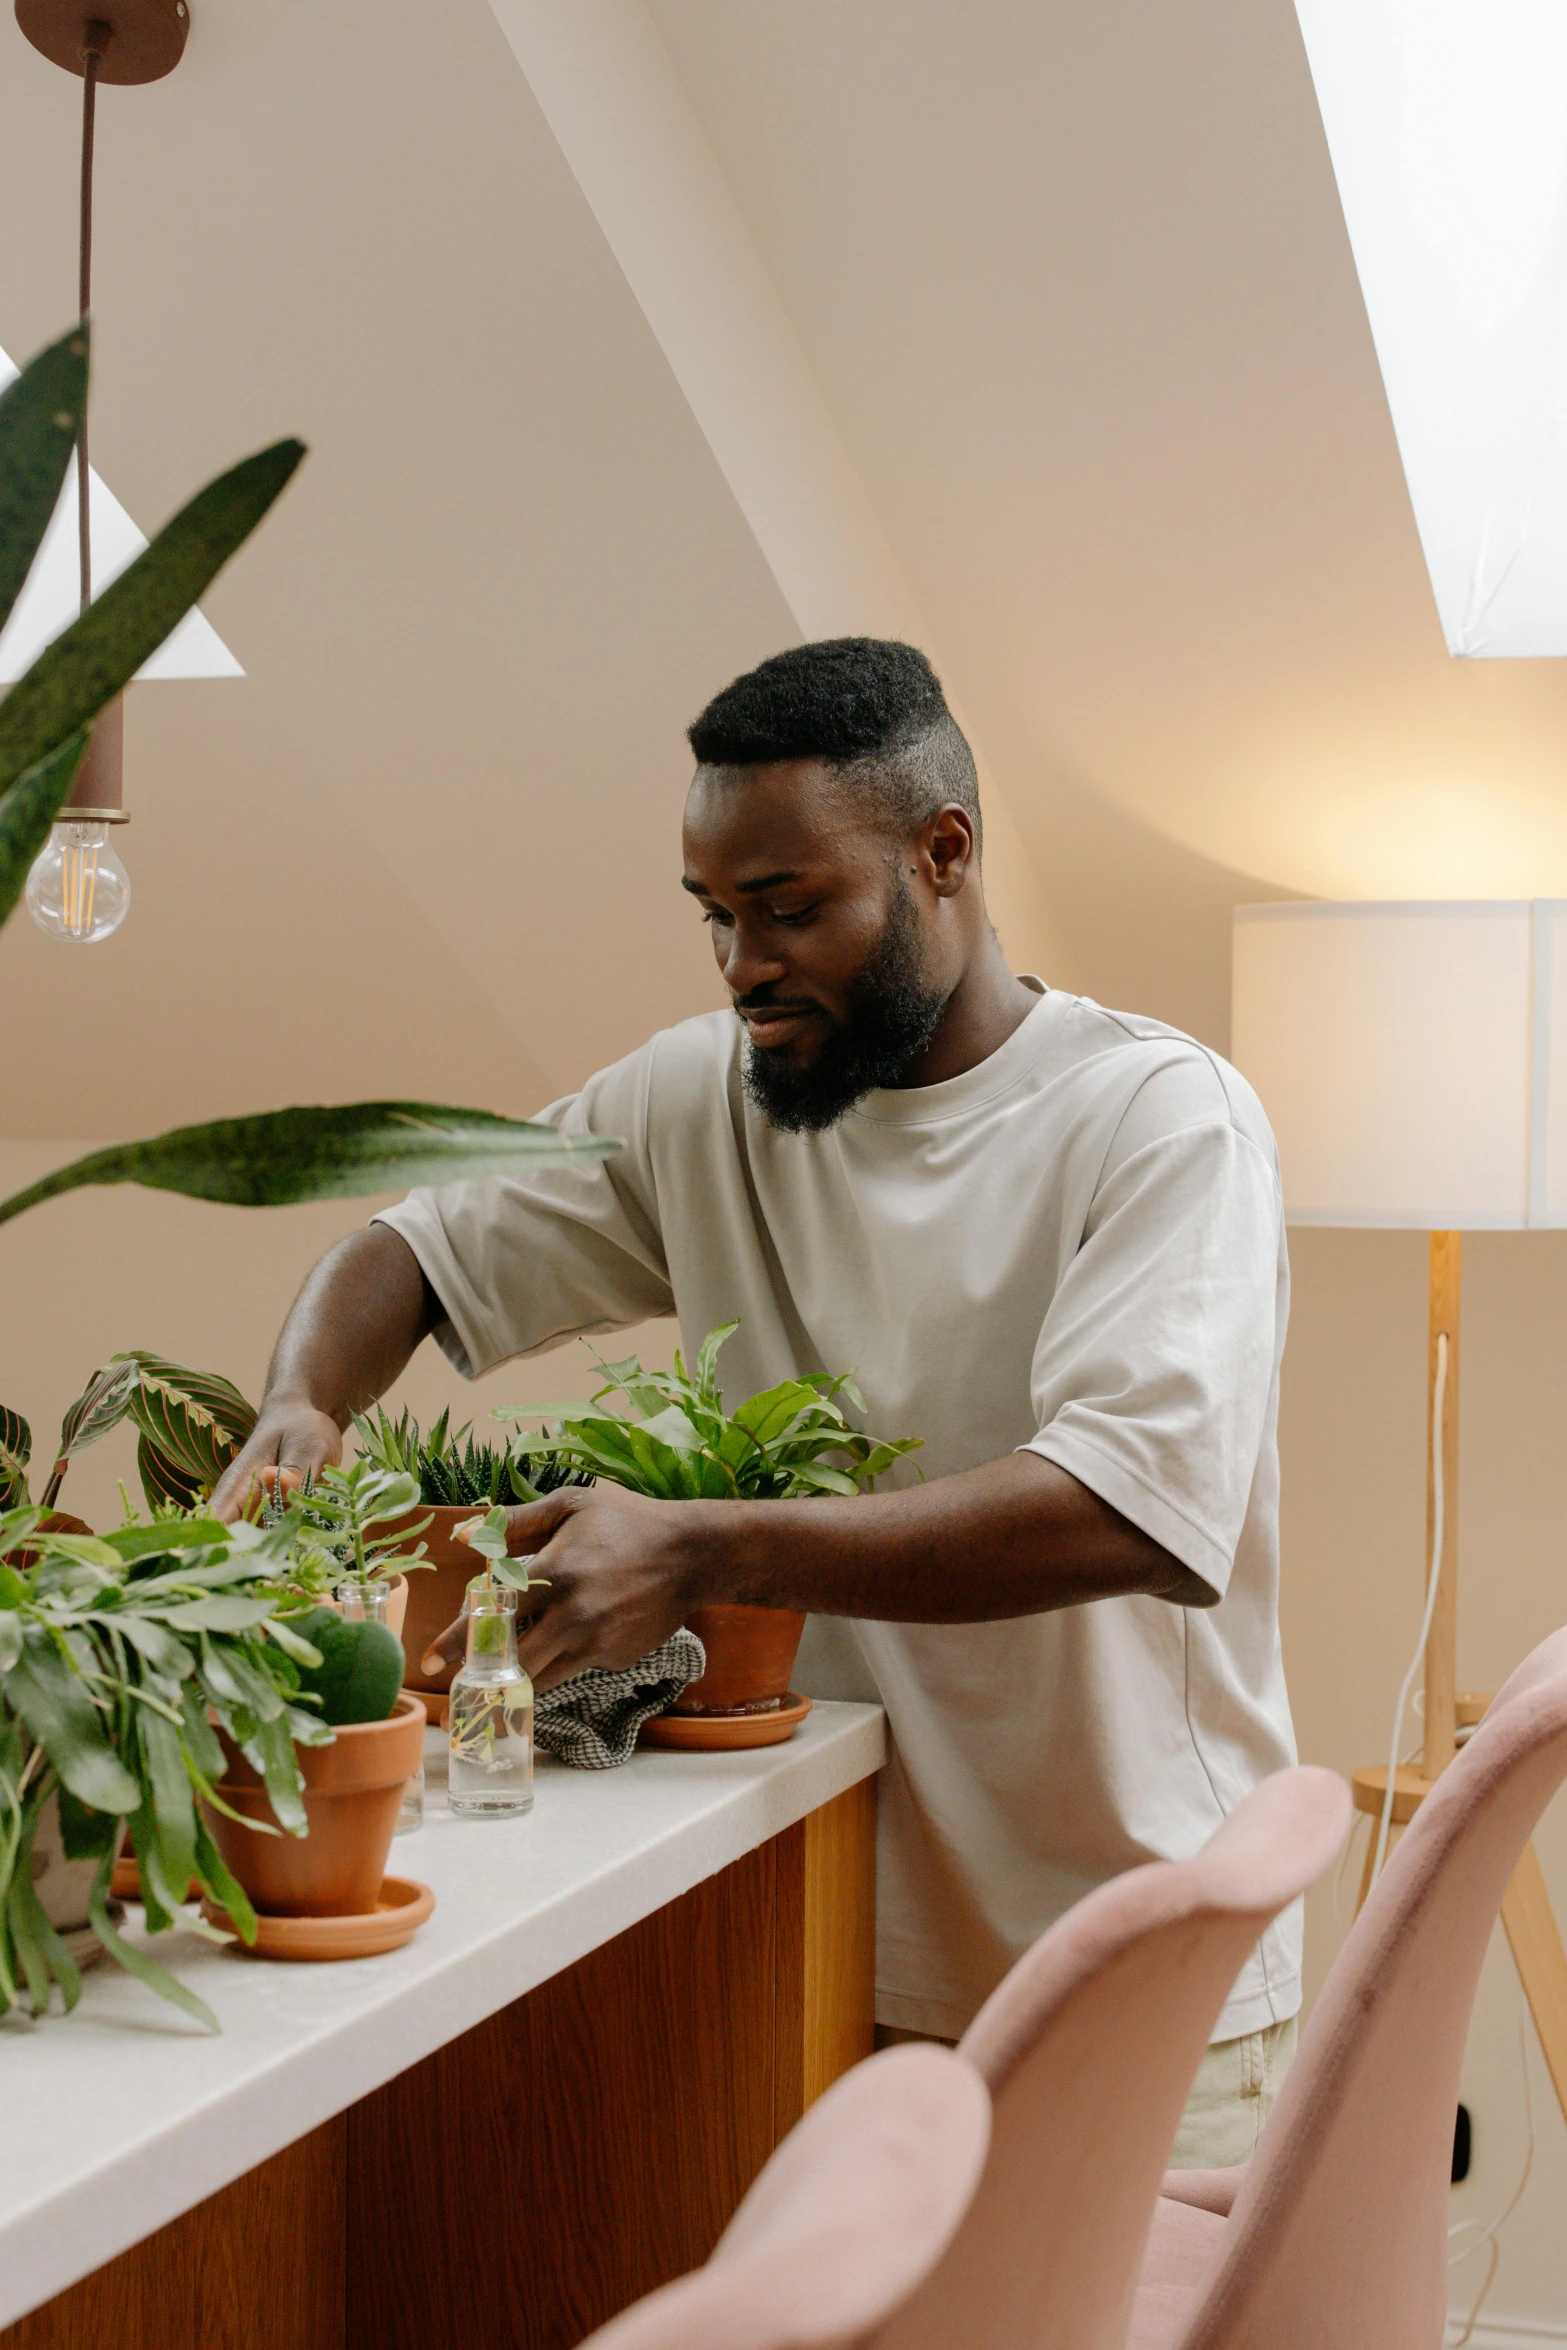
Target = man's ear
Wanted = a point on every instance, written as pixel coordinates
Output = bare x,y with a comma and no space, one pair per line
945,849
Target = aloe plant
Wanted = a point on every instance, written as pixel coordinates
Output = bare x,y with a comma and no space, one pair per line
280,1156
791,1440
455,1471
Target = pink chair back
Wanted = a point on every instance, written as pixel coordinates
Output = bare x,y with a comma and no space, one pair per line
851,2212
1090,2048
1338,2236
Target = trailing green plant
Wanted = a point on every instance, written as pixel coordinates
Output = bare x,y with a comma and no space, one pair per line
118,1654
455,1471
333,1152
791,1440
121,1655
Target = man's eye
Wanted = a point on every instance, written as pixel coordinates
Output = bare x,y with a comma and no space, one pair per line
715,914
793,918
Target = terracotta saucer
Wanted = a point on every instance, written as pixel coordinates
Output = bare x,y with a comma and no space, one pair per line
396,1918
714,1733
436,1705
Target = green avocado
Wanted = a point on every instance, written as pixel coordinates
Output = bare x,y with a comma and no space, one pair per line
360,1674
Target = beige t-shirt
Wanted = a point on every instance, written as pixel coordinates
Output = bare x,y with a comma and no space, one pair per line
1078,1247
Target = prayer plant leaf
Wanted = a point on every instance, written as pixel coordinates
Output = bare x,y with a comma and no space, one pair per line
40,416
27,811
84,668
16,1450
193,1422
336,1152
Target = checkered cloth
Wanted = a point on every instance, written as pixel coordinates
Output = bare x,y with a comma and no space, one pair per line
592,1722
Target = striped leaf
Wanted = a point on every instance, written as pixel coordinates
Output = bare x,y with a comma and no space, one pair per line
161,1481
16,1450
194,1421
102,1405
40,414
304,1154
84,668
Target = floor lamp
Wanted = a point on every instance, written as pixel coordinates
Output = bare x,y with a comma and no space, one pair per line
1413,1060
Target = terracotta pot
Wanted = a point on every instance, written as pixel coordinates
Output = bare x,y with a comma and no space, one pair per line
435,1592
750,1655
352,1791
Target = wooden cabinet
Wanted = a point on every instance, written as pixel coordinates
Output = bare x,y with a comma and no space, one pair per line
576,2149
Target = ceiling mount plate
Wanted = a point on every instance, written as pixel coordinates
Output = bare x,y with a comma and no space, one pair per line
146,37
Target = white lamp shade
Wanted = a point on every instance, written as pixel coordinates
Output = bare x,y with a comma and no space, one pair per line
1412,1058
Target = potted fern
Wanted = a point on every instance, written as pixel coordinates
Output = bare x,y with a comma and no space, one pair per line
679,1444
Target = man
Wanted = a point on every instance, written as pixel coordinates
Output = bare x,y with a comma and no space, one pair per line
1047,1238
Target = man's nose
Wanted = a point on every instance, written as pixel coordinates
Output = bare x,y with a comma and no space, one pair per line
748,963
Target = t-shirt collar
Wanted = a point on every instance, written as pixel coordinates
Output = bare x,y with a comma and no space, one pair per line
923,1105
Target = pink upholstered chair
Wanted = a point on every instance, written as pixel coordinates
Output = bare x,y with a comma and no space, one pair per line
1089,2048
851,2212
1334,2237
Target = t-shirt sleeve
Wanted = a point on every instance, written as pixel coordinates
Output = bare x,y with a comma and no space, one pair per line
523,1261
1153,1379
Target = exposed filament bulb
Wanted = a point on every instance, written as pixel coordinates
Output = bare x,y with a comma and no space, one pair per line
78,890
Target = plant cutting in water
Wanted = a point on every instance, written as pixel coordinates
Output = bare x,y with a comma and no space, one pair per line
788,1441
490,1715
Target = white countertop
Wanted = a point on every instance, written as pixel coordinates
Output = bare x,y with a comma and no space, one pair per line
124,2114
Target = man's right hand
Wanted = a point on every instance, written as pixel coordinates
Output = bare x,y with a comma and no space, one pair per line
287,1436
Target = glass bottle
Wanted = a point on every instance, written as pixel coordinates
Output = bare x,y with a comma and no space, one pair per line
490,1721
358,1602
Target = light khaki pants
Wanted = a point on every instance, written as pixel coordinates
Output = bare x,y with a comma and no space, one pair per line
1231,2097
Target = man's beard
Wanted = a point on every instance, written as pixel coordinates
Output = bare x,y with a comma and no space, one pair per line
893,1014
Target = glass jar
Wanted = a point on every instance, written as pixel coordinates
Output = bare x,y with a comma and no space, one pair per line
359,1602
490,1717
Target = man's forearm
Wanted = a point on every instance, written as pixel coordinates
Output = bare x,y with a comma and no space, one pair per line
1016,1537
353,1326
349,1333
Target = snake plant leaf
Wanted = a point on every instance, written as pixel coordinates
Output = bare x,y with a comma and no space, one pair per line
339,1152
40,415
26,812
84,668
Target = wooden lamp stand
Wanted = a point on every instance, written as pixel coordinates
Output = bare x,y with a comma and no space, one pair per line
1532,1931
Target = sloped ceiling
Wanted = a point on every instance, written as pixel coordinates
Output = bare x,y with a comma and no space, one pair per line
1073,280
1076,284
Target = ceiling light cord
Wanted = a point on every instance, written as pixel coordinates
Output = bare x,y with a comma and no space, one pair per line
96,36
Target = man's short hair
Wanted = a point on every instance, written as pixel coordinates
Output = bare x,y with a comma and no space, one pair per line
865,705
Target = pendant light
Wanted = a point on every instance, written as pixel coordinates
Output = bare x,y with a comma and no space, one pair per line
78,889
